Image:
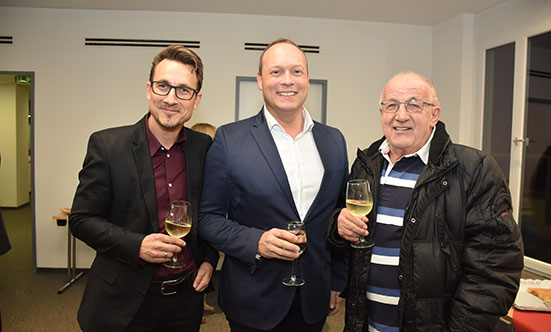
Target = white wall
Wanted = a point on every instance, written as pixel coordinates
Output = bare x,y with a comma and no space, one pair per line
81,89
452,68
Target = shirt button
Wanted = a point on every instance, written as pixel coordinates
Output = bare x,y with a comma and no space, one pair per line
413,220
168,155
170,185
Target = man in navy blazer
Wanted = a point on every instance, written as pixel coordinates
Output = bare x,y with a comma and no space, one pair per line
261,173
129,177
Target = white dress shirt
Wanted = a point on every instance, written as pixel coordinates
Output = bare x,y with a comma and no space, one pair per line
301,160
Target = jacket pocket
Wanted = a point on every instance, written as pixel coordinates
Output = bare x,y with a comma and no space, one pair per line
506,228
104,272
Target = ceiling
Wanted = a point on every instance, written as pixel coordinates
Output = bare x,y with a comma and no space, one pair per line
422,12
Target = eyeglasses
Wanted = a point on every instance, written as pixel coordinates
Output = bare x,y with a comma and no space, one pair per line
163,88
412,105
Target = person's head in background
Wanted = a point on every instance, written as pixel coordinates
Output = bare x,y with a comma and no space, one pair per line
205,128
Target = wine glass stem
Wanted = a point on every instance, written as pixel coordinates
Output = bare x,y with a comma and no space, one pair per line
293,275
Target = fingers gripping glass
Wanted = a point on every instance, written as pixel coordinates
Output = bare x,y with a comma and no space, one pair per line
412,105
163,88
297,228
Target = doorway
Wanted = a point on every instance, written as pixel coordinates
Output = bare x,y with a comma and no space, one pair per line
16,145
535,216
517,135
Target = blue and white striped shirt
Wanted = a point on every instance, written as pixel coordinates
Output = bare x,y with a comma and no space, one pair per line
383,288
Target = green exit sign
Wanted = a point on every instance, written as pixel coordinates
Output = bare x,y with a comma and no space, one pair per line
22,79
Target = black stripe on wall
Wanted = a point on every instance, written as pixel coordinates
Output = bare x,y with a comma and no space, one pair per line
140,42
262,46
6,40
539,73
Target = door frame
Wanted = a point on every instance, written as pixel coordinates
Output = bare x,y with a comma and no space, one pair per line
31,146
518,131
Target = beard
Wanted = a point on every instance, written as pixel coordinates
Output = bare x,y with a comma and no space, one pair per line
168,125
175,121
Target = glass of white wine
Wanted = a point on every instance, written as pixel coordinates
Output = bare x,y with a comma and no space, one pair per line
359,201
177,224
297,228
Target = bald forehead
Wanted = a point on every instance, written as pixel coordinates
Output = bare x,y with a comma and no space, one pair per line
284,49
407,85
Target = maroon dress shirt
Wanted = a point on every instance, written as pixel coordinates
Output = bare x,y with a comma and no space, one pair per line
169,170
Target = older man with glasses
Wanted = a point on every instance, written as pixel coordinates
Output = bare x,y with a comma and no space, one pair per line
447,253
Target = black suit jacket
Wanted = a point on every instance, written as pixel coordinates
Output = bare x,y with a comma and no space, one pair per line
114,208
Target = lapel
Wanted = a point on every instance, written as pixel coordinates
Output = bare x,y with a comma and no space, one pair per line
266,144
193,169
142,158
320,137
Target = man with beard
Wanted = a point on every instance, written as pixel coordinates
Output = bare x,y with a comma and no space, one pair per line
129,178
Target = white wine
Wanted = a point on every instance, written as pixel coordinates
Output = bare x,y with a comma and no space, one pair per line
359,208
297,228
302,245
177,230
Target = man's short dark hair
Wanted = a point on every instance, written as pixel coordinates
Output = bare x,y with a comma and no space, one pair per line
183,55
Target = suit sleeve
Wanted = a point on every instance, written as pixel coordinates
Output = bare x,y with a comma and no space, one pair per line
492,256
92,206
222,233
339,257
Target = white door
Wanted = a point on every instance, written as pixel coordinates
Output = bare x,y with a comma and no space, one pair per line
517,120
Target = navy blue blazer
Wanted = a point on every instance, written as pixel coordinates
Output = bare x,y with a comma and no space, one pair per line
245,193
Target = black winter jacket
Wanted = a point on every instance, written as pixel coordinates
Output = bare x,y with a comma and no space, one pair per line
461,252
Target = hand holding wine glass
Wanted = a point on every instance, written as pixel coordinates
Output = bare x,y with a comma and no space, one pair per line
359,202
297,228
178,224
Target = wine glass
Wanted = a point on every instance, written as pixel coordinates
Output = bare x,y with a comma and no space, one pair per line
297,228
359,201
177,224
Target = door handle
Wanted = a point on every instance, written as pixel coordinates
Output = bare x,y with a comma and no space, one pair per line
525,141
